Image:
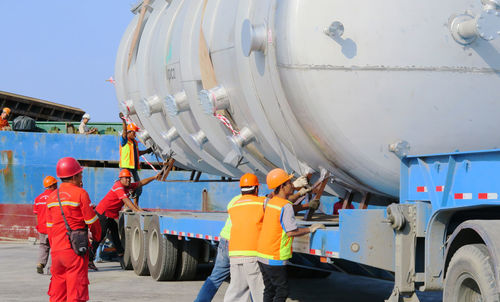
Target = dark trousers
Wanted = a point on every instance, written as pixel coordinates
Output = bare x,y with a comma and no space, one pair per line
275,281
111,225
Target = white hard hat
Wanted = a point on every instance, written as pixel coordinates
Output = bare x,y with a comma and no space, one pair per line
86,115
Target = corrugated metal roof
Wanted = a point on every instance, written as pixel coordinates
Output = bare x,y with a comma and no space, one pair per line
38,109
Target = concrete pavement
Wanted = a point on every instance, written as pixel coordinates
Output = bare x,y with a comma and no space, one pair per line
20,282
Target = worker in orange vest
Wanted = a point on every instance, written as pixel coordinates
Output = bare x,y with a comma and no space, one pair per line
221,269
275,241
4,119
50,184
69,280
129,153
246,215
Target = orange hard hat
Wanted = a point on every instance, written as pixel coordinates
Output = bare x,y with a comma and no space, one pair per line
124,173
67,167
277,177
49,181
132,127
6,109
249,180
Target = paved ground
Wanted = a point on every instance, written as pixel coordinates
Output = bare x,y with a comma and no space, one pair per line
20,282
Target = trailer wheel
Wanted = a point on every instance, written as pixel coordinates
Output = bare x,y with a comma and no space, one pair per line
162,252
138,249
188,259
125,261
470,276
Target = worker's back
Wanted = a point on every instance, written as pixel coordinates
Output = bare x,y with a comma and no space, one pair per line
246,215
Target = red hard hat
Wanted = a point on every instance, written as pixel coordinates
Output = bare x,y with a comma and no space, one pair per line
67,167
49,181
124,173
277,177
132,127
249,180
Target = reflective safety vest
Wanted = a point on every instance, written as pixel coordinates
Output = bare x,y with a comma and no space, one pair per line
226,230
128,156
247,214
274,243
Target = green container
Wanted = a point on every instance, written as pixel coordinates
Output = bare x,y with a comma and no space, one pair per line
72,127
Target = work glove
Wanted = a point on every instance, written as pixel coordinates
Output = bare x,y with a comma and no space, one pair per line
316,226
304,191
149,150
314,204
300,182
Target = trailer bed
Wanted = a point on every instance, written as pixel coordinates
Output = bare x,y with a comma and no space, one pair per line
207,226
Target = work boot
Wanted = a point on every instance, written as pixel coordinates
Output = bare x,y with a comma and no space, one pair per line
39,268
92,266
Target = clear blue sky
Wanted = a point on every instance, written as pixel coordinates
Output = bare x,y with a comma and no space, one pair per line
63,51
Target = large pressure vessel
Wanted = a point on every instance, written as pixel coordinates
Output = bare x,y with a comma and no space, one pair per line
329,87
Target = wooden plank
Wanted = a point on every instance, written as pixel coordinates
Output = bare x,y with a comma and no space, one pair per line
137,31
364,202
208,78
319,192
166,169
347,201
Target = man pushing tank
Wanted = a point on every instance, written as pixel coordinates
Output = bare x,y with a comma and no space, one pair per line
109,207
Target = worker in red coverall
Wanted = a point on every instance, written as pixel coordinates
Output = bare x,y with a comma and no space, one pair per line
50,184
109,208
69,280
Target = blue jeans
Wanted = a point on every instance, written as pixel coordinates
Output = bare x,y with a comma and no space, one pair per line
219,273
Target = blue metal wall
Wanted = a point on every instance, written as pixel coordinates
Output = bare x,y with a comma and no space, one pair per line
26,158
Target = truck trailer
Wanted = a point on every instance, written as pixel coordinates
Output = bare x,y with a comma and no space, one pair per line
442,235
354,97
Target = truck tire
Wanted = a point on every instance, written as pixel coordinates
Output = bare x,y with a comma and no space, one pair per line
162,252
470,276
189,252
125,261
138,248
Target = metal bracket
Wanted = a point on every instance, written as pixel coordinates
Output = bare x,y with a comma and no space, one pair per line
405,252
396,296
401,148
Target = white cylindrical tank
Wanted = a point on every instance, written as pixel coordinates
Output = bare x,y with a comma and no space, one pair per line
229,87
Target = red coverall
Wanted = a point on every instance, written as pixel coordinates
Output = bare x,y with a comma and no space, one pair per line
39,209
69,280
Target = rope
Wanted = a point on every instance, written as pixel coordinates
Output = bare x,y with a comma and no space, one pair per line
143,157
226,122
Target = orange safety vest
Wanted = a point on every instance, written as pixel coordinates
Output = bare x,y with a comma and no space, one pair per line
127,155
226,230
246,216
274,243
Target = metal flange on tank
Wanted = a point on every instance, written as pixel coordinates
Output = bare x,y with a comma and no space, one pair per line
466,27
